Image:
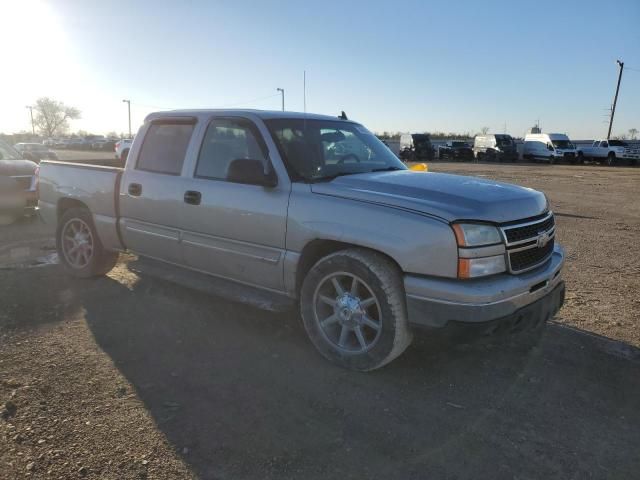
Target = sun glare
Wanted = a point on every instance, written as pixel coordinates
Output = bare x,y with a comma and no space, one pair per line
34,46
30,32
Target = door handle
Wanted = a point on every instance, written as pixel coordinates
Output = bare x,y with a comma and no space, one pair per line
192,197
135,189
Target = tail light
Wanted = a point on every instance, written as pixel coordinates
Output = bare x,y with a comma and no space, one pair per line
115,147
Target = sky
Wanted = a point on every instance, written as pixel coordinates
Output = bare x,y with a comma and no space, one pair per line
410,66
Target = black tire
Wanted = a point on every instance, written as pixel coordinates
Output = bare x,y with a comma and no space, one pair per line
611,159
580,158
383,278
100,261
552,160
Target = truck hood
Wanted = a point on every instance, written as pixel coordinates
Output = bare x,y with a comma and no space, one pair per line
10,168
450,197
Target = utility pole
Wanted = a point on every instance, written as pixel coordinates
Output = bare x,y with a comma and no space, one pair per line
281,90
33,128
615,98
128,102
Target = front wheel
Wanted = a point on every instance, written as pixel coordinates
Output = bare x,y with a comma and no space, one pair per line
611,159
79,247
552,160
353,309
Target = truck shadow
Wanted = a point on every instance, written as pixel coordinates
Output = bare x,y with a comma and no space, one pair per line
241,393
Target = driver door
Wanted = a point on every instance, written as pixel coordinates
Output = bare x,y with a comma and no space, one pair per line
235,231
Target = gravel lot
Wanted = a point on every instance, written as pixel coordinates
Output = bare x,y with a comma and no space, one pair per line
129,376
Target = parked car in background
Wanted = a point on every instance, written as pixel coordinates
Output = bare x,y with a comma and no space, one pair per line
62,143
122,148
497,147
35,152
270,205
75,143
18,194
548,147
104,144
610,151
415,147
456,150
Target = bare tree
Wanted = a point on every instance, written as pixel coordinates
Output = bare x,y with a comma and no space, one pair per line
633,133
484,130
52,117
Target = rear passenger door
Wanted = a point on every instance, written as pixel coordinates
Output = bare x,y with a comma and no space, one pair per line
234,230
152,190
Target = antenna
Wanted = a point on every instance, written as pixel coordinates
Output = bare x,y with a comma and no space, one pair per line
304,90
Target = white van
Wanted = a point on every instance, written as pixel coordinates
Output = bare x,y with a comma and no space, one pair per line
548,147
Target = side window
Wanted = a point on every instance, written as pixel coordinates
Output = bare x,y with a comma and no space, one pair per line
605,144
227,140
164,148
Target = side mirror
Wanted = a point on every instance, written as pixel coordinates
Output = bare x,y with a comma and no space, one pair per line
251,172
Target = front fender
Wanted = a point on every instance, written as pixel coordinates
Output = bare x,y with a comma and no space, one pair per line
418,243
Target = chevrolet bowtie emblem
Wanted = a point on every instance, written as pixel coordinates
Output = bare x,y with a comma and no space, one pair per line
543,239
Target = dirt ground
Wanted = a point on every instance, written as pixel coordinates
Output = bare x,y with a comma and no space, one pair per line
130,376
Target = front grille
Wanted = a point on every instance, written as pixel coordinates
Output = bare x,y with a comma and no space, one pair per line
530,231
525,241
530,257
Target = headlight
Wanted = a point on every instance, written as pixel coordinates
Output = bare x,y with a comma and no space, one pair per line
476,234
480,267
478,244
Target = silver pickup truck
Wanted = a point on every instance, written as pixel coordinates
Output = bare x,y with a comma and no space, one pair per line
315,210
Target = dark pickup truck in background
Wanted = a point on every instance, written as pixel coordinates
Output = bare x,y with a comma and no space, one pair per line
456,150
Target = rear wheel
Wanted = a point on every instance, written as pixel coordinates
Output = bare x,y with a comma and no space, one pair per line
353,309
79,247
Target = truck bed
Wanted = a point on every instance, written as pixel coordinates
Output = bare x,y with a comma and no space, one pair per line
93,186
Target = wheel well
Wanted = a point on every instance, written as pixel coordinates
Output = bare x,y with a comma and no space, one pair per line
317,249
611,154
65,204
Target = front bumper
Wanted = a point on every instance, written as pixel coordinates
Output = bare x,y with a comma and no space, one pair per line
436,302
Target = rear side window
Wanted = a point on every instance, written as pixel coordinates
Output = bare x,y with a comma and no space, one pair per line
164,148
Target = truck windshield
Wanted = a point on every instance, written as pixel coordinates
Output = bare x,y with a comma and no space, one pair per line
316,150
562,144
617,143
503,141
